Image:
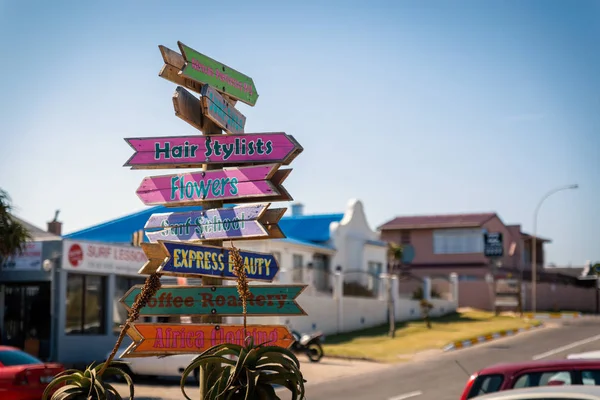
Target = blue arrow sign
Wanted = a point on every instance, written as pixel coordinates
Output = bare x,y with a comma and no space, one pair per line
185,259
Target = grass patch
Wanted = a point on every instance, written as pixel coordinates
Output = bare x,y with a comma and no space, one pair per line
413,336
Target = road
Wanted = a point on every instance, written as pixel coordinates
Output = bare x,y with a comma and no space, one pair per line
433,375
439,377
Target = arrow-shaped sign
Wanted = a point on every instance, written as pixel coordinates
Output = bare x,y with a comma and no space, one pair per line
187,260
205,70
151,339
213,106
174,63
194,151
241,222
265,300
236,184
188,108
221,112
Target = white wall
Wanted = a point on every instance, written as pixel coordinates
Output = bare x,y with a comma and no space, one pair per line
361,313
322,315
357,313
350,237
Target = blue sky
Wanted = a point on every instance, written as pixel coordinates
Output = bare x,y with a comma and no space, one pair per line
414,107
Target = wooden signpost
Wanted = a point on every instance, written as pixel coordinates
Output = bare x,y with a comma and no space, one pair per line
194,151
265,300
235,168
152,339
242,222
240,184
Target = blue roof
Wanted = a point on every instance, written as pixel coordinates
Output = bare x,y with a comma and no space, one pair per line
302,229
120,230
310,228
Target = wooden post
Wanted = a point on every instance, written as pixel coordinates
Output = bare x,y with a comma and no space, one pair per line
209,128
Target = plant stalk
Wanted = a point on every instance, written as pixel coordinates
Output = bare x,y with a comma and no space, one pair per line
150,288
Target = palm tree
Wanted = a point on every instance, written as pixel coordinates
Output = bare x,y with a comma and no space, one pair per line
394,255
13,235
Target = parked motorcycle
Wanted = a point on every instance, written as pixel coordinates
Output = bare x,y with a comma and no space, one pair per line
309,344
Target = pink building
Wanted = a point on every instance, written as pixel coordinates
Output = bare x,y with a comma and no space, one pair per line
454,243
445,244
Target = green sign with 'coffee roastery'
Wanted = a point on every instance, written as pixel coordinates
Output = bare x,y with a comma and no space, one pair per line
218,300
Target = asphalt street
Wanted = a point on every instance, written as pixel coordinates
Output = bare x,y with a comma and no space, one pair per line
433,375
438,376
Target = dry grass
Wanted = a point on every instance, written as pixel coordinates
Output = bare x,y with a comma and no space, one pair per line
413,336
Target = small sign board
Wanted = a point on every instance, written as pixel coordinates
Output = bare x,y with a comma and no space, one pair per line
241,222
170,152
205,70
155,339
188,260
265,300
232,184
221,112
492,244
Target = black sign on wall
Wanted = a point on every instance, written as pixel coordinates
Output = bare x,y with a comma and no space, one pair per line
492,244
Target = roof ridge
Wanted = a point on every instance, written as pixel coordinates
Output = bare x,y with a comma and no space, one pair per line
445,215
114,220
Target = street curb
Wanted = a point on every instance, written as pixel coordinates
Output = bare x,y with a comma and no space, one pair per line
553,315
487,338
353,358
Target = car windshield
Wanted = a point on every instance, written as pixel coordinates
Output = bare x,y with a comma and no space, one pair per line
10,358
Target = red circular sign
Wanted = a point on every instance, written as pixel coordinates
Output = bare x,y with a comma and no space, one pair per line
75,255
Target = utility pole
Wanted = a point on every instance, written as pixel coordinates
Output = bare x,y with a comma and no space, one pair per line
391,311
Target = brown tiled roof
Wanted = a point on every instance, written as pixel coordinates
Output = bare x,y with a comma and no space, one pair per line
527,236
438,221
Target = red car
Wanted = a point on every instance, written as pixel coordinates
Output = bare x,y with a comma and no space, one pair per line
22,376
507,376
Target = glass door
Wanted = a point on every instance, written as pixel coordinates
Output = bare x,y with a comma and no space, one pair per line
27,317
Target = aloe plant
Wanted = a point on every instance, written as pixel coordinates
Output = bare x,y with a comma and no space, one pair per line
251,374
254,370
90,384
73,384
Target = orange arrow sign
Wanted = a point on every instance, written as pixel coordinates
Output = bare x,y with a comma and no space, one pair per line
151,339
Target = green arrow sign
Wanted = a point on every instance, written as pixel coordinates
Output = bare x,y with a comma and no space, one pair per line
218,300
205,70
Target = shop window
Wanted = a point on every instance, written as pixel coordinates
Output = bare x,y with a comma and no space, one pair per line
86,302
122,285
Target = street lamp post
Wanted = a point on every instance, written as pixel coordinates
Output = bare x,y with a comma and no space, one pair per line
534,244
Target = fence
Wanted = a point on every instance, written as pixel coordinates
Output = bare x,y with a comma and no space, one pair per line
338,311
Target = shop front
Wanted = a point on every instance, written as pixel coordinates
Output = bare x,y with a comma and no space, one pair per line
93,276
26,301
